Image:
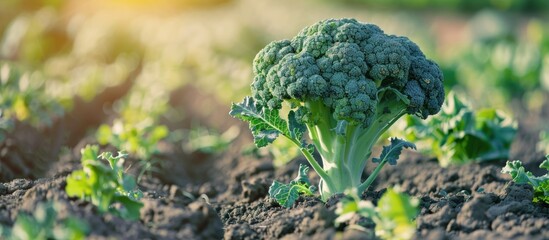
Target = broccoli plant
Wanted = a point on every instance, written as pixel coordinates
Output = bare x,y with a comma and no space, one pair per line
540,183
105,185
346,83
394,215
458,134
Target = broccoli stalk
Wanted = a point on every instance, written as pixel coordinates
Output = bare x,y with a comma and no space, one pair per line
346,83
345,147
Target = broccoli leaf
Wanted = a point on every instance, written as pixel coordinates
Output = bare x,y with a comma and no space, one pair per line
296,128
284,194
539,183
287,194
391,153
302,177
265,123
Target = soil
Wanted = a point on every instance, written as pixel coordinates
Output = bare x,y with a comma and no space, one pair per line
224,196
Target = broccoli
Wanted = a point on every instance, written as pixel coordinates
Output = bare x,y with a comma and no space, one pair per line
346,82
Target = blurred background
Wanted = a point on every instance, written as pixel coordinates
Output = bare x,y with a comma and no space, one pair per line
169,61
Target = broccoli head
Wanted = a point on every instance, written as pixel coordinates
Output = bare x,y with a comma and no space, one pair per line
344,64
347,82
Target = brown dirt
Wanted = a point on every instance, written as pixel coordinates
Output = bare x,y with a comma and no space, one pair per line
200,196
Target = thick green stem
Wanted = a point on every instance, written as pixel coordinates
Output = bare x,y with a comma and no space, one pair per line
370,138
371,178
345,154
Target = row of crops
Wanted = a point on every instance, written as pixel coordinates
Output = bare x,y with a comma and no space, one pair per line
124,69
51,57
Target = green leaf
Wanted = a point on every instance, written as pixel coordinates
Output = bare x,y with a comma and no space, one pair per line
104,134
308,147
394,205
391,153
351,205
287,194
265,124
545,163
90,152
396,214
517,171
284,194
104,186
541,193
458,134
539,183
130,208
43,223
302,177
296,128
77,185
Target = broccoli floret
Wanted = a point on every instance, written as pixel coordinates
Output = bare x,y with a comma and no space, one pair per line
347,82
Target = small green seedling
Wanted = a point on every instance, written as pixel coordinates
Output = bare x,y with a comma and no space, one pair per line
138,140
43,224
394,215
105,185
287,194
458,134
539,183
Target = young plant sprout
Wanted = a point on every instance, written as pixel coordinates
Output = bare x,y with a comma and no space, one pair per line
539,183
346,83
106,187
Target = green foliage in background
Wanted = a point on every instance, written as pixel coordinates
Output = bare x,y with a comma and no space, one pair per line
459,135
22,98
454,5
105,186
394,215
43,224
283,151
543,143
510,64
140,141
209,141
539,183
